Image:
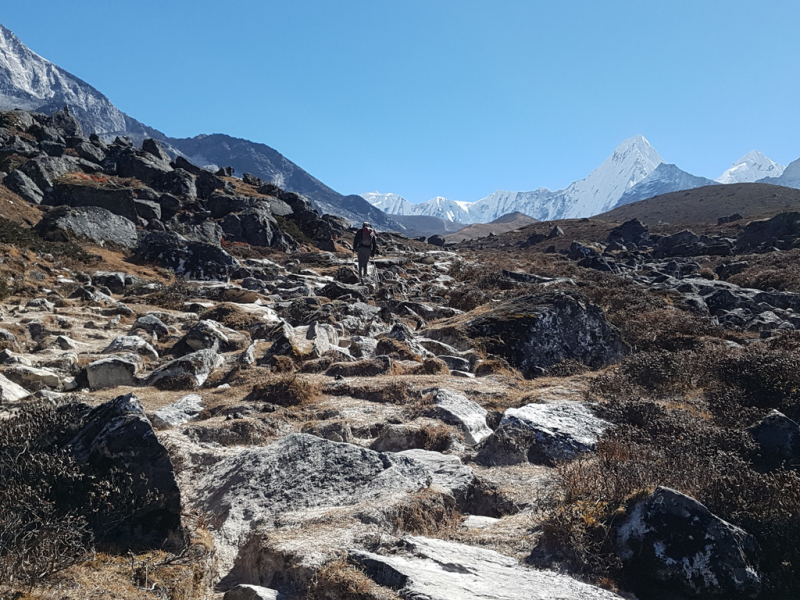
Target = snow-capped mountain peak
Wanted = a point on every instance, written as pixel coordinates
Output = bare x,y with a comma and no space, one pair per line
30,82
751,167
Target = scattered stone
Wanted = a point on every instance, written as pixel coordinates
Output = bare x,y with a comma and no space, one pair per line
10,391
178,413
111,372
456,409
131,344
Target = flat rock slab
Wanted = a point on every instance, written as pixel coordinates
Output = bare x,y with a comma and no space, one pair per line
251,592
302,472
439,570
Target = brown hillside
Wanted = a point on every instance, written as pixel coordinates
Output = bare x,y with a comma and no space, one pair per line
499,226
707,204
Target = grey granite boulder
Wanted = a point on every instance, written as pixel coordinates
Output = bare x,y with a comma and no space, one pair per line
536,331
131,344
189,371
23,186
304,472
432,569
151,324
93,223
542,433
118,435
778,436
672,541
210,334
244,591
458,410
10,391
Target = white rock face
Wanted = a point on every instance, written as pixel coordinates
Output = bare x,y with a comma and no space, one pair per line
751,167
439,570
458,409
10,391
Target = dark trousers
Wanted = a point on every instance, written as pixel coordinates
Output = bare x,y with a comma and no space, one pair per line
364,253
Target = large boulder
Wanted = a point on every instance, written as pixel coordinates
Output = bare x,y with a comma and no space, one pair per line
767,232
111,372
141,165
131,344
536,331
257,227
194,260
630,232
44,170
178,413
433,569
542,433
118,200
244,591
672,541
210,334
90,222
23,186
778,436
118,436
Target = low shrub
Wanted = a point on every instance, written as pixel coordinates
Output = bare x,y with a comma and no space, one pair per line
426,513
284,391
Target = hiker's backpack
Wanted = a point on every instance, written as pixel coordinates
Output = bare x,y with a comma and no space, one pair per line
366,238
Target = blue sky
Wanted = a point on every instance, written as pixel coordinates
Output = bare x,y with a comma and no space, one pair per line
456,98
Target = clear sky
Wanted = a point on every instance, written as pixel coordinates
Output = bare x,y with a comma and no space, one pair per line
456,98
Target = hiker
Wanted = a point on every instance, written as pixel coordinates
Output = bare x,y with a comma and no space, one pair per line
365,244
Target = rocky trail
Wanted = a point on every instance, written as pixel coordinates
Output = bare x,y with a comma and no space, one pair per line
464,424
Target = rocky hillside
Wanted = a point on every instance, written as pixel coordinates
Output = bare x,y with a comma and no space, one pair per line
32,83
199,399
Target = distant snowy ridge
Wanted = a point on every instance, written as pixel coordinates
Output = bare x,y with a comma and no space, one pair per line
751,167
632,161
442,208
